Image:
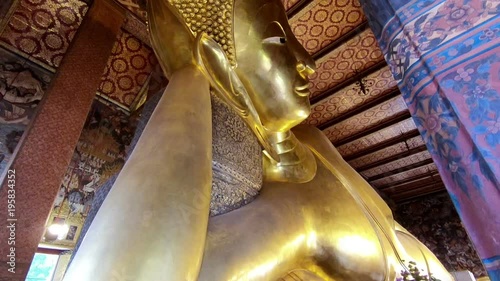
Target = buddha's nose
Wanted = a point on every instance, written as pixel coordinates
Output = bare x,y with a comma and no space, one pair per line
306,65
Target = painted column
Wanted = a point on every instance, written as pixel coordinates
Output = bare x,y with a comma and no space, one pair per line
445,57
48,146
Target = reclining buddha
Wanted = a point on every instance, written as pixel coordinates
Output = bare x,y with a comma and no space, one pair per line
314,217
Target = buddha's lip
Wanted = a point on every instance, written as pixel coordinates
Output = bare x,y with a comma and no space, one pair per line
302,90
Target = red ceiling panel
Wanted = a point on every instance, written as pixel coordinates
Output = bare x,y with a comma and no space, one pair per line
426,169
397,164
377,137
366,119
377,84
319,25
386,152
357,54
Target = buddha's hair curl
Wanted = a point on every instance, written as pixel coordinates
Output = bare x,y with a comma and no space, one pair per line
213,17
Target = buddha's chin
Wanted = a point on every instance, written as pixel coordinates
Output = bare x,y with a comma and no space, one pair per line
286,124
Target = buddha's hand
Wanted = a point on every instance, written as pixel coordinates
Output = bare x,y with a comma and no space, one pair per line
171,38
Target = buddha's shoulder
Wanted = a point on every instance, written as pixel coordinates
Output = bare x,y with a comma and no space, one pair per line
313,137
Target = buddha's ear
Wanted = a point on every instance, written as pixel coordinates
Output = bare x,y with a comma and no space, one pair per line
217,68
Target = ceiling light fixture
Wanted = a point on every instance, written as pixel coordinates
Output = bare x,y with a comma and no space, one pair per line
362,85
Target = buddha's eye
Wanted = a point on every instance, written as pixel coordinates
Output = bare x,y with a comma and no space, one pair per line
278,40
274,34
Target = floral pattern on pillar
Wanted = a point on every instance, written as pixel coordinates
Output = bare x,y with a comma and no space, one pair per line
445,56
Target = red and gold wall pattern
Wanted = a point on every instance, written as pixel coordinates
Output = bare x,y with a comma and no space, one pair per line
43,29
127,69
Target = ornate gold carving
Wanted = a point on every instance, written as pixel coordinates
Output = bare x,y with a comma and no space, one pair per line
213,17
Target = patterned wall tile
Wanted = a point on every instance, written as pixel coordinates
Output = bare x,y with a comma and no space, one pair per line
397,164
378,84
377,137
324,21
366,119
43,29
404,175
127,69
387,152
357,54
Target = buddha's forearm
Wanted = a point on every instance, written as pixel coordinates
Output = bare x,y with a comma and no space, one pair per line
153,223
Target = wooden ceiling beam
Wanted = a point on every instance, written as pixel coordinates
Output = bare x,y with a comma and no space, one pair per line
392,158
437,192
370,70
394,92
392,141
412,185
409,179
341,40
412,194
384,124
295,9
402,169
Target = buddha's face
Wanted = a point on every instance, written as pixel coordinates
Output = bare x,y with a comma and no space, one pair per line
271,63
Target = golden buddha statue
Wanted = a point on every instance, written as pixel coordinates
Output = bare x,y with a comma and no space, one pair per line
315,217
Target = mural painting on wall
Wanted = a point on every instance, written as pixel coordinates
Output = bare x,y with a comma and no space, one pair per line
434,221
22,87
100,153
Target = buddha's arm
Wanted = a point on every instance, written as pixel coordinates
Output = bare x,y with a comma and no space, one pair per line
365,196
260,241
401,240
424,258
153,223
319,143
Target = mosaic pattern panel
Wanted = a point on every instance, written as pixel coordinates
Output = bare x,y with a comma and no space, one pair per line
377,137
404,175
365,119
99,154
22,87
127,69
319,24
357,54
397,164
387,152
43,29
378,84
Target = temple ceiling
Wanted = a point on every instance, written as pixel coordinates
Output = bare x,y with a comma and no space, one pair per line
355,100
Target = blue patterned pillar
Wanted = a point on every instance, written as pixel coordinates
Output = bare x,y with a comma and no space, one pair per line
445,56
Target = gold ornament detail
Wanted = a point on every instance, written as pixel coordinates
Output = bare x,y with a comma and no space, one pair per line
213,17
